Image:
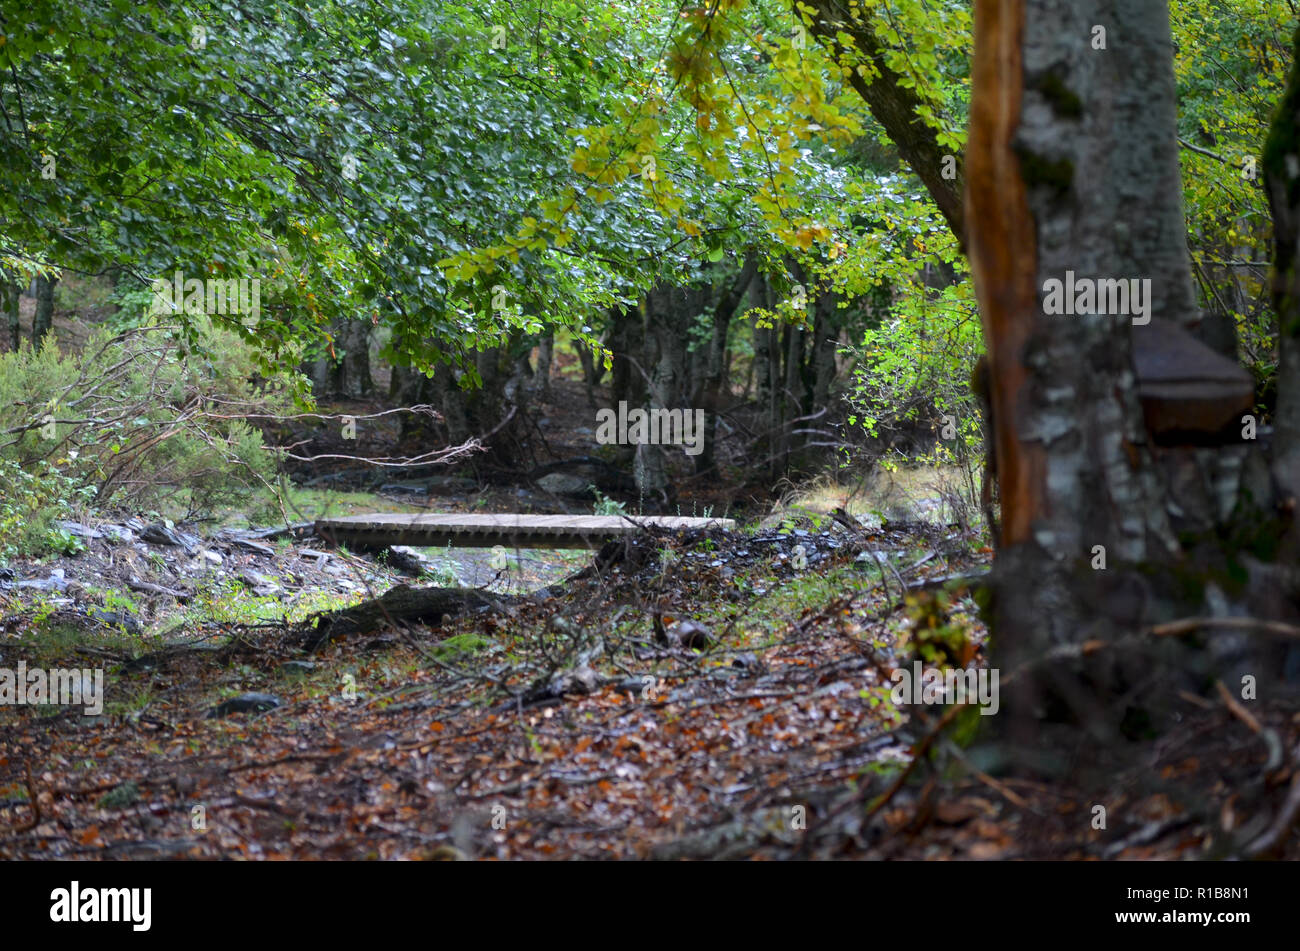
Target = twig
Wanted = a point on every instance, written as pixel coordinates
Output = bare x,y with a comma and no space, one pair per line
1237,710
1189,624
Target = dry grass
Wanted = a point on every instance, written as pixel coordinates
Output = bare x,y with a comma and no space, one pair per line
920,493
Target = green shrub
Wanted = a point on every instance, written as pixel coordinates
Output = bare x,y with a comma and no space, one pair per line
31,501
140,421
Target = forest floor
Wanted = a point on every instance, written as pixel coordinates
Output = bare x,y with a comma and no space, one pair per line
720,695
710,696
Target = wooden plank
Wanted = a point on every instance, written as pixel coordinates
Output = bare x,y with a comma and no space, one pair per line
489,530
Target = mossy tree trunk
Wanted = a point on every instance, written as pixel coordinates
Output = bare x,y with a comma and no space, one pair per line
1072,166
43,320
1282,177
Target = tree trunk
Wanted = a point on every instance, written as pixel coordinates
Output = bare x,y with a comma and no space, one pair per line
1072,166
669,313
347,372
545,355
626,383
826,332
13,296
43,321
1282,178
713,385
891,101
357,380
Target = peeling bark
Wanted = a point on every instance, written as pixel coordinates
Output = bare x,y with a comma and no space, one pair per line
1072,167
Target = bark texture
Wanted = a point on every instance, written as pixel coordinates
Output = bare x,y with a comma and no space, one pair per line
1282,176
1072,167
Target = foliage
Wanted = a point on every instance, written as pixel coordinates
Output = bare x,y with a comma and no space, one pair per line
135,418
605,505
1230,62
33,500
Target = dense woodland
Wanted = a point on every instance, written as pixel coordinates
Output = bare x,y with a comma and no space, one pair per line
978,322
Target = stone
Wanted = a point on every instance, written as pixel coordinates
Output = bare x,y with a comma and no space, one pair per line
159,534
259,584
245,703
119,534
582,680
239,541
115,619
690,634
55,582
560,483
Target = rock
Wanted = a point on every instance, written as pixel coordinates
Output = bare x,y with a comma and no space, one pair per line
451,484
159,534
148,587
408,560
212,558
404,487
260,585
296,530
249,545
690,634
119,534
298,667
117,619
560,483
582,680
633,686
55,582
543,594
245,703
81,531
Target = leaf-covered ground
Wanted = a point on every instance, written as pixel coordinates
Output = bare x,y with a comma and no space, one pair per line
703,697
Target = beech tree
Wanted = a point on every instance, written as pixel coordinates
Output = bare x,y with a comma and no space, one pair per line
1134,487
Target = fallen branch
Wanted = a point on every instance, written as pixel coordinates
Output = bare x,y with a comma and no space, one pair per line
1189,624
401,603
